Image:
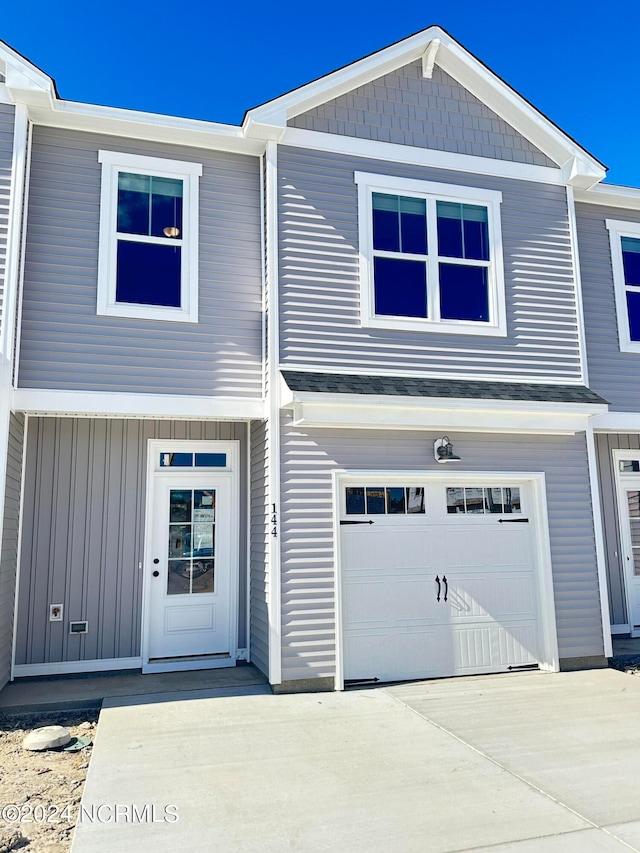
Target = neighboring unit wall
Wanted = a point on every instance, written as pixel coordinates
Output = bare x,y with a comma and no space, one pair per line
612,373
9,543
605,444
409,109
308,562
66,345
259,545
6,157
319,279
83,533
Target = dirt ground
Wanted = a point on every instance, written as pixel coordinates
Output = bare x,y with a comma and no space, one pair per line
40,791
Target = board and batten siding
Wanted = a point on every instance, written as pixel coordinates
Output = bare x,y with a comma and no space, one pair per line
9,543
306,528
606,443
259,545
66,345
83,533
407,108
612,373
6,183
319,279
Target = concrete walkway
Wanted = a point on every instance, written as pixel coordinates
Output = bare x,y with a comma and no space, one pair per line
527,762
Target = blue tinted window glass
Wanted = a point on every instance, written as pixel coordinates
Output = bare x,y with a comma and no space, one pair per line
211,460
134,194
413,226
176,460
386,223
633,309
463,231
464,293
631,260
355,500
400,287
375,502
395,501
148,274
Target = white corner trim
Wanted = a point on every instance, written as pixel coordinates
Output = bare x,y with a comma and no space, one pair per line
577,282
113,162
430,192
114,404
601,560
76,666
429,58
618,229
393,152
16,597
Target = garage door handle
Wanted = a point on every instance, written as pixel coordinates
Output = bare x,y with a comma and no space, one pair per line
446,586
438,582
513,521
357,522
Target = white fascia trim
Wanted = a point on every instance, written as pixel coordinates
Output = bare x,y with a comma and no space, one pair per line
128,405
617,422
331,410
22,76
150,127
75,666
601,560
113,162
618,229
431,191
609,195
393,152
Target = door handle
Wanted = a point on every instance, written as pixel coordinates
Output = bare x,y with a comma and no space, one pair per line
446,586
438,582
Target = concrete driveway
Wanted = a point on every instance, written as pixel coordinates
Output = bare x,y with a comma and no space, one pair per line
527,762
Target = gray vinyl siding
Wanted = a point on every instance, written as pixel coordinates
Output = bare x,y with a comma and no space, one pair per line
308,573
612,373
66,345
83,533
406,108
6,158
9,543
259,545
605,444
319,281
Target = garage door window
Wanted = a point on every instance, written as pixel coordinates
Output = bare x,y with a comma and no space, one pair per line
384,500
483,500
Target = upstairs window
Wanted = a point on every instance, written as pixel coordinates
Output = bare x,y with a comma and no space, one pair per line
148,266
431,256
625,262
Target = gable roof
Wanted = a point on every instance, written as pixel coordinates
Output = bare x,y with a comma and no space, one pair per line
23,77
435,45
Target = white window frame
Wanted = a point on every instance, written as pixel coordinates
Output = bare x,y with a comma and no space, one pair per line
431,191
114,162
617,230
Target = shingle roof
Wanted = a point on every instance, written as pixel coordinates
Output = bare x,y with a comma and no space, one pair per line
337,383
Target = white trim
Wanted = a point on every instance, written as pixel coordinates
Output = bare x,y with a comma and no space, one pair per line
431,192
429,58
112,163
115,404
577,281
153,471
621,629
315,409
617,422
618,229
274,604
76,666
23,474
551,661
23,251
609,195
245,654
393,152
624,533
601,560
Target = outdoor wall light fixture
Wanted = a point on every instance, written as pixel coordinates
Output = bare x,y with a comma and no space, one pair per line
443,450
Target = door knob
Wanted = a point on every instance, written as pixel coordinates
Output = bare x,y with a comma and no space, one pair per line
156,574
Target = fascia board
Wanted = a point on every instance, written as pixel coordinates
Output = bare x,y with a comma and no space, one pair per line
126,405
617,422
610,195
146,126
21,74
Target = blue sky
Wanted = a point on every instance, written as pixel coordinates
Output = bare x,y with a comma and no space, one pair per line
214,60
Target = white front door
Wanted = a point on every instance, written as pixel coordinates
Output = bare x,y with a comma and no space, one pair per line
630,524
438,580
190,565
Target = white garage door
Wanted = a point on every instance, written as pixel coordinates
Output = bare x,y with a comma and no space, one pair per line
437,580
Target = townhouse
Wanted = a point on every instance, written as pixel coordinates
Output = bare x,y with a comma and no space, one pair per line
346,391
